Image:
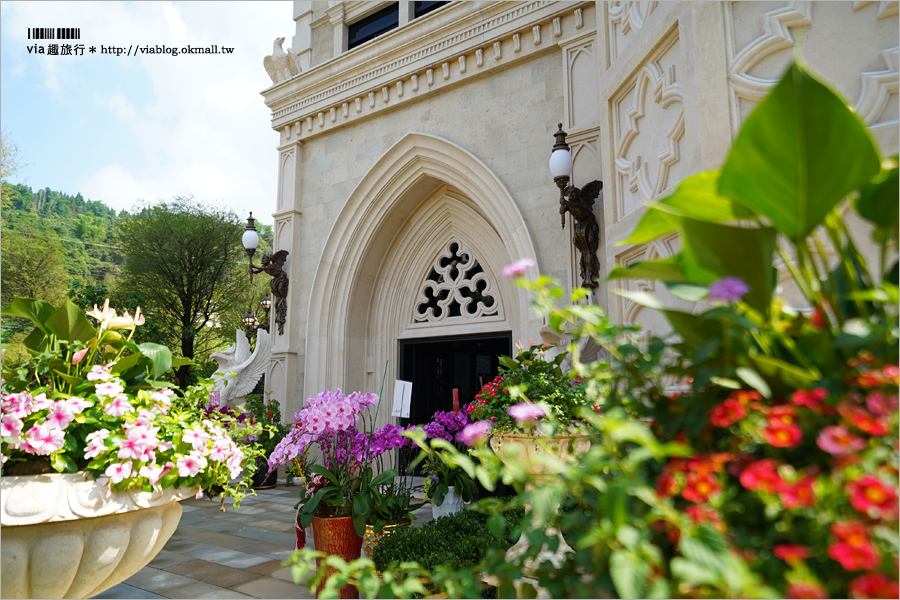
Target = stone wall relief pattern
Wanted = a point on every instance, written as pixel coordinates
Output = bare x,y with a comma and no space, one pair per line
287,176
648,119
755,64
626,19
469,61
581,74
456,287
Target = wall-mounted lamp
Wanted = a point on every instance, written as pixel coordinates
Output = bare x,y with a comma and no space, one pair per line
272,265
580,204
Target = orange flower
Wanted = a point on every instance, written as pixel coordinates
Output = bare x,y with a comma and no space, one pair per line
871,496
728,412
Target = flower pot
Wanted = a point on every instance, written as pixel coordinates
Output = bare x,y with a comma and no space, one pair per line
372,539
453,503
65,536
336,536
262,479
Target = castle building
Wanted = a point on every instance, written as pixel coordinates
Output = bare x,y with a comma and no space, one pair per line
414,143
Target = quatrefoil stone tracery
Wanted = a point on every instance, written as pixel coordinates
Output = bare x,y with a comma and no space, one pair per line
456,287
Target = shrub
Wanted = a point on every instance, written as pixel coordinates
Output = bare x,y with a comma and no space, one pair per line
458,541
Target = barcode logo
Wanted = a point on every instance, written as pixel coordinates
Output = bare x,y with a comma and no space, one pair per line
49,33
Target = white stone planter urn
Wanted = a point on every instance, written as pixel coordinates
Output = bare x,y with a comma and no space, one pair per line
65,536
453,503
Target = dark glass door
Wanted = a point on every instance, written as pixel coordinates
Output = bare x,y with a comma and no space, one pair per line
437,366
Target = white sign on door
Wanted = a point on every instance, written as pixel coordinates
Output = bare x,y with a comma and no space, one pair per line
402,398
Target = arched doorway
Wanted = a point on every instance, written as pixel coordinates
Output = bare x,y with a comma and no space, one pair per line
422,197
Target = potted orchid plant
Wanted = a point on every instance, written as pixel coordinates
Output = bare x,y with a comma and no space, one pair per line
446,485
87,412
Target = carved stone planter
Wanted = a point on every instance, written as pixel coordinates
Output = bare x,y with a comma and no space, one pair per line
65,536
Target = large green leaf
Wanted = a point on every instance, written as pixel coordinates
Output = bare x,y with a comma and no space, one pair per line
159,355
36,311
68,322
696,197
629,573
877,203
694,329
713,251
798,154
663,269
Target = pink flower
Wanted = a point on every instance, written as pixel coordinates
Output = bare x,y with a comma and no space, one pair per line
135,445
836,440
728,289
219,453
98,436
77,405
100,373
234,463
517,268
119,406
44,439
40,402
109,389
60,416
10,426
118,471
474,433
94,449
526,413
190,465
196,437
153,473
880,404
78,356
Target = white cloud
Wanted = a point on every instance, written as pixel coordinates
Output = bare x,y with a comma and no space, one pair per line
203,128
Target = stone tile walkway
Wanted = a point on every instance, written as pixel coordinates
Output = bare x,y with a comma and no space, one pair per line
231,554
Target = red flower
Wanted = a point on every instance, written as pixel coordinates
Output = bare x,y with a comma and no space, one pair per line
874,585
728,412
871,496
853,550
811,399
817,320
892,372
791,553
806,589
762,475
704,514
836,440
862,419
700,487
782,436
800,494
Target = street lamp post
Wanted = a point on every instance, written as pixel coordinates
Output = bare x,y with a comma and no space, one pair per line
580,204
272,265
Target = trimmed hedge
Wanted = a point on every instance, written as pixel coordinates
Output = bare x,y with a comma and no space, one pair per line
459,540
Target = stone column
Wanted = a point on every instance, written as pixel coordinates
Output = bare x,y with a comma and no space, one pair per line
337,17
301,43
281,376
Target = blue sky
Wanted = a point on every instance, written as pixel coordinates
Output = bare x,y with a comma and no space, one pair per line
145,128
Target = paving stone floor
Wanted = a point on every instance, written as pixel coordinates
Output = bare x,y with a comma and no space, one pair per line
232,554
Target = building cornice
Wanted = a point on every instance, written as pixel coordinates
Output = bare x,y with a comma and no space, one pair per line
455,43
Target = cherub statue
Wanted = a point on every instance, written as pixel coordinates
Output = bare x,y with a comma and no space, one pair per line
273,266
580,204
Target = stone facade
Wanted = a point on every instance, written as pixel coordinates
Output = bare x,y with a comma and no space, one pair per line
434,138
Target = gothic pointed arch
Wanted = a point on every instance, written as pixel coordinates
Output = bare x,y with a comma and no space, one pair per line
421,196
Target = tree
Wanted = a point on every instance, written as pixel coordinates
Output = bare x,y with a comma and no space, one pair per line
185,258
33,266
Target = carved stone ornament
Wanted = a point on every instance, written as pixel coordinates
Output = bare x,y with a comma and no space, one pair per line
456,286
281,65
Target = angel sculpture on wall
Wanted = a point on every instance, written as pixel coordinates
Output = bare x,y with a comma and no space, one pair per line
586,235
240,369
273,266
